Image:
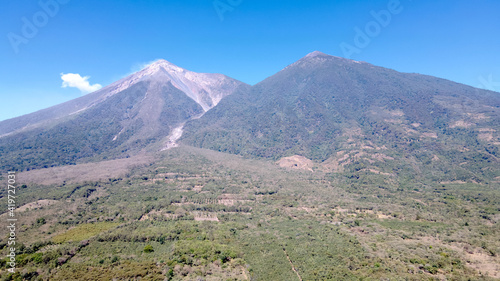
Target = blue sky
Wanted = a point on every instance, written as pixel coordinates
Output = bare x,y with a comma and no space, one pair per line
246,39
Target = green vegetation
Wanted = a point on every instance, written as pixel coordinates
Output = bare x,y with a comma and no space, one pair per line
418,128
83,231
329,170
197,214
148,249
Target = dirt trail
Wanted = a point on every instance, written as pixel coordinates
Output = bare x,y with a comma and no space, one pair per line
293,267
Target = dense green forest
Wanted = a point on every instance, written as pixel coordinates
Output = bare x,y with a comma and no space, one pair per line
321,106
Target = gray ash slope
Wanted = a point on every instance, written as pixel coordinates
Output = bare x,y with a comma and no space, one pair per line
116,121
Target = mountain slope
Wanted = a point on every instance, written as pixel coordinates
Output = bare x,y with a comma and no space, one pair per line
341,112
204,88
117,121
402,186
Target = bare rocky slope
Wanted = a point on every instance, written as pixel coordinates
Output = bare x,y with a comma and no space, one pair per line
116,121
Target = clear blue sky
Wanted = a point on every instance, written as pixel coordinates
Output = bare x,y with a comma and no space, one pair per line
455,39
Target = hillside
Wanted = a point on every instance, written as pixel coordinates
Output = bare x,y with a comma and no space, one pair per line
331,169
118,121
196,214
350,116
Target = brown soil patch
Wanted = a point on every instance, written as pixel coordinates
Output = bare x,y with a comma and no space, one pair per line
203,216
486,130
476,257
84,172
156,213
462,124
478,116
393,121
378,172
37,204
429,135
296,162
485,136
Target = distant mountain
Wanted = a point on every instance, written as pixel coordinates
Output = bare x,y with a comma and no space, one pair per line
120,119
352,116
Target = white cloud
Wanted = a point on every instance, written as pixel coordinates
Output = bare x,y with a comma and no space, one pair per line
74,80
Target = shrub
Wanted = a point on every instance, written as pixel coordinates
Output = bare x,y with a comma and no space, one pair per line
148,249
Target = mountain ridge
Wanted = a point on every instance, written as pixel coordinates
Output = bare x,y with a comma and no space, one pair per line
82,103
320,105
328,170
122,118
313,108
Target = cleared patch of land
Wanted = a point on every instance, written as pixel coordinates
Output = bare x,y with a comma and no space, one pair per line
84,172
